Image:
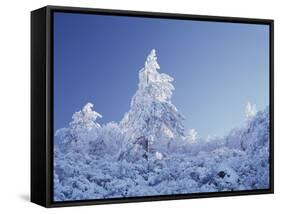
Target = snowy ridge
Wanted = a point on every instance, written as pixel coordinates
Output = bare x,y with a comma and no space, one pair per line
148,152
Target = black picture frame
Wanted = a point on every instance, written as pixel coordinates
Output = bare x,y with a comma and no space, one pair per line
42,104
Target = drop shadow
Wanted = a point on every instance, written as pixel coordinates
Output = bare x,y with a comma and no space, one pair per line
24,197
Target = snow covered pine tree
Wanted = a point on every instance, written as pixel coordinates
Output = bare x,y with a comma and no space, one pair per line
82,129
152,122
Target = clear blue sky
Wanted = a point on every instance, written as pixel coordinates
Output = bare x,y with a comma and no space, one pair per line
217,67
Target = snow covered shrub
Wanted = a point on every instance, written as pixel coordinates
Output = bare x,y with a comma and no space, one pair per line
112,136
82,130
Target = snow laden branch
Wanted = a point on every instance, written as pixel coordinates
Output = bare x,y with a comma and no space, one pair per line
150,80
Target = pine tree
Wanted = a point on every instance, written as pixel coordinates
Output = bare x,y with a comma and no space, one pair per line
85,119
82,129
153,121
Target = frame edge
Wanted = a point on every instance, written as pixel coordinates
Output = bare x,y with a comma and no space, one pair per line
38,109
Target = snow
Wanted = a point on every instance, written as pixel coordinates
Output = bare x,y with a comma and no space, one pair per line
250,110
158,156
149,152
192,136
152,115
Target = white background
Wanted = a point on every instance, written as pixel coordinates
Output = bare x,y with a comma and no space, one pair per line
15,106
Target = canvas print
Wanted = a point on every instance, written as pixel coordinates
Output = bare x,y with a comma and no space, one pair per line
153,107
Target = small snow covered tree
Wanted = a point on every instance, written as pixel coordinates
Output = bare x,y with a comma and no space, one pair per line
256,133
82,129
250,110
192,136
233,139
85,119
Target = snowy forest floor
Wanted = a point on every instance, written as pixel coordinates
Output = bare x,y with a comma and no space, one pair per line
238,161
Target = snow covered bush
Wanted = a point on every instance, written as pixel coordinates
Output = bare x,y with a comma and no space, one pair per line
149,152
82,130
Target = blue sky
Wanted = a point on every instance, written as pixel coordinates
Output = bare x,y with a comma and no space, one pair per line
217,67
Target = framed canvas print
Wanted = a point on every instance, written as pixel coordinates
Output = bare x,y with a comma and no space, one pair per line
140,106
